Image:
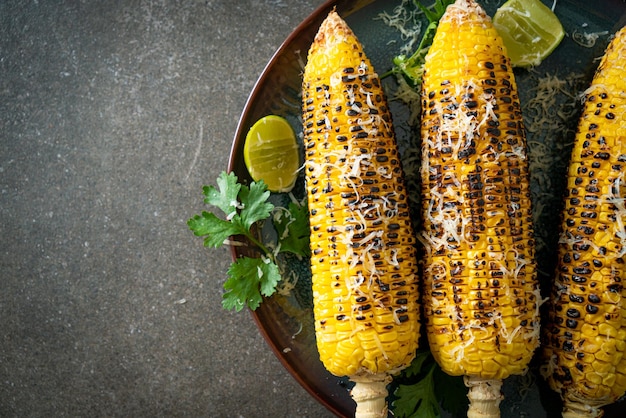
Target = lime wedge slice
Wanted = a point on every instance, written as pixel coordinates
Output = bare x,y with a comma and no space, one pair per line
529,29
271,153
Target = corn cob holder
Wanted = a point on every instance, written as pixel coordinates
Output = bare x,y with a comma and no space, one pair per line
481,296
585,337
363,261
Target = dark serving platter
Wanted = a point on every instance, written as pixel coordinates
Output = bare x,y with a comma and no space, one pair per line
286,322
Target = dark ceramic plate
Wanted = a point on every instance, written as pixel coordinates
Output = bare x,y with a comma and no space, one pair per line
287,322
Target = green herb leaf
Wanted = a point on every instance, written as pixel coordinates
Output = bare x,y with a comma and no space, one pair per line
417,400
255,206
242,205
225,196
214,230
439,8
249,279
292,226
451,392
412,67
415,368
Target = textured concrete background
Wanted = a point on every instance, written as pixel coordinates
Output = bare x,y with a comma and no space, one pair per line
112,117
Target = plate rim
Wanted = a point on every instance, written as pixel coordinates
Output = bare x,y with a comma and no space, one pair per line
239,137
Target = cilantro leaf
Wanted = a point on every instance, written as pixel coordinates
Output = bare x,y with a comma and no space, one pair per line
412,67
249,280
417,400
415,368
214,230
439,9
292,226
225,196
255,206
426,389
451,392
243,207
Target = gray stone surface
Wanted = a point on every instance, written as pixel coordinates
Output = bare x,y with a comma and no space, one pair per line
112,117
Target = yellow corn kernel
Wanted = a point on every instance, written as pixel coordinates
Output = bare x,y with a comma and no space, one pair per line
481,297
584,335
364,267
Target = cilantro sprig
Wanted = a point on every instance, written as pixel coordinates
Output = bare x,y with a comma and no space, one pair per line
244,208
411,68
424,390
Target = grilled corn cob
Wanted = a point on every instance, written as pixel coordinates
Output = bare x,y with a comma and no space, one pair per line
363,261
481,296
585,337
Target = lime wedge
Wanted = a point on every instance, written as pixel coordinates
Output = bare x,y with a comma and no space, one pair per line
529,29
271,153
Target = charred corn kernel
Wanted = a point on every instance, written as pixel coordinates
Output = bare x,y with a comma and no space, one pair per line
586,329
363,261
481,296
